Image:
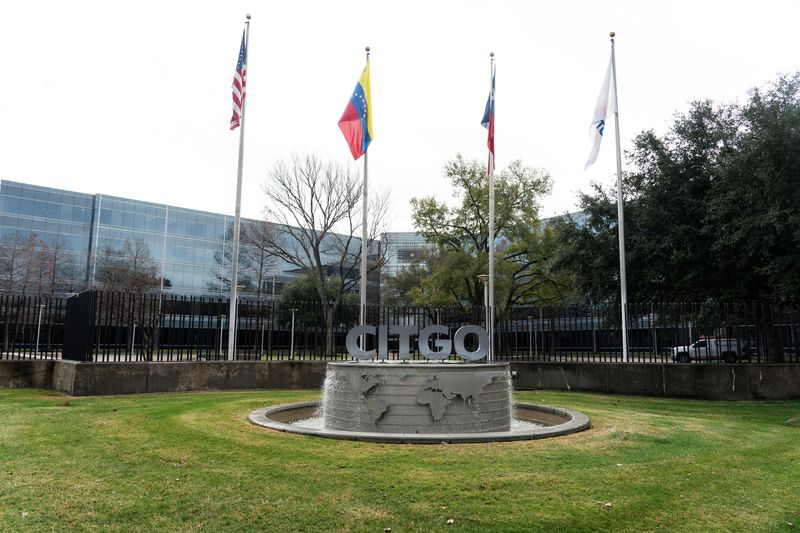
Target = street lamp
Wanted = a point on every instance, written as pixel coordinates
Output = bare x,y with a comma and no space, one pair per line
39,327
291,341
263,321
221,330
484,278
133,341
530,337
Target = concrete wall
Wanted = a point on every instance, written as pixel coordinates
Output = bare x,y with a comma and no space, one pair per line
84,379
712,382
22,374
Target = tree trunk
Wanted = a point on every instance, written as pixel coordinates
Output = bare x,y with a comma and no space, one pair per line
768,340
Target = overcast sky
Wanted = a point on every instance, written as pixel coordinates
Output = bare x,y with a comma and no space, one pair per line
133,99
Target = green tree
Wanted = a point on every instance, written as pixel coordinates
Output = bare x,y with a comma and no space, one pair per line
301,294
461,234
712,209
400,289
754,209
666,199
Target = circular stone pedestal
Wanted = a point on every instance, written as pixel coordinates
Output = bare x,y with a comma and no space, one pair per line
422,398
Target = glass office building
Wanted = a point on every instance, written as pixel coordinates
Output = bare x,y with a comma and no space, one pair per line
74,232
403,249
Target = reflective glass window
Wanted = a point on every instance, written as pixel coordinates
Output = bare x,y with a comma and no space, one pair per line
12,205
82,214
40,209
27,207
138,221
65,212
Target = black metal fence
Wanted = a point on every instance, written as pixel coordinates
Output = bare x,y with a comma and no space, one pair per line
113,326
31,327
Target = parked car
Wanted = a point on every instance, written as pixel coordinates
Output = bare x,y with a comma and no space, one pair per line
712,348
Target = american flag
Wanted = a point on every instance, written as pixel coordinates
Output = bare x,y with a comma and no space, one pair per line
239,86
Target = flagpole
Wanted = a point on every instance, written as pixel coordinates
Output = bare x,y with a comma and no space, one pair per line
363,289
491,227
623,287
234,297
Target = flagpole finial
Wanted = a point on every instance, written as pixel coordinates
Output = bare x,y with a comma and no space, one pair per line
367,49
491,54
247,16
612,34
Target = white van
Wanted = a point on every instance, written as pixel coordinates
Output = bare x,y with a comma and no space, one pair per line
711,348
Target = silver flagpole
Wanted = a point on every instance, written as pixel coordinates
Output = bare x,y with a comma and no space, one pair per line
491,227
623,287
232,321
96,239
164,247
363,288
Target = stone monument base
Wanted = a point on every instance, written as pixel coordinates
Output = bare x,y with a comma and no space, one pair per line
425,398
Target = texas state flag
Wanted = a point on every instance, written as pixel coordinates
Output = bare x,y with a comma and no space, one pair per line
356,121
488,120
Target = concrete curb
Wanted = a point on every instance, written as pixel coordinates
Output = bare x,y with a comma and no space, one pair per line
574,421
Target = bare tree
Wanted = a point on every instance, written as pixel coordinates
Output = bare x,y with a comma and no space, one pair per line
18,262
316,209
29,265
57,266
220,275
256,263
130,268
260,262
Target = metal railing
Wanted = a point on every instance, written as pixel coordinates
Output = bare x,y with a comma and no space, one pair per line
31,327
121,326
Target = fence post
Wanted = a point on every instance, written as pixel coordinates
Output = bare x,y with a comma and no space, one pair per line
79,326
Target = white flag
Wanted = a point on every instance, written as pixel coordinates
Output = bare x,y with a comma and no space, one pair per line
606,107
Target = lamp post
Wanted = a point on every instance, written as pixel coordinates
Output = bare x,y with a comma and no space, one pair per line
39,327
261,349
272,321
221,330
133,341
484,278
291,341
263,322
530,337
541,333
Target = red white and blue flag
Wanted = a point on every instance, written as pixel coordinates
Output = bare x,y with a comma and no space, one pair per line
488,119
239,86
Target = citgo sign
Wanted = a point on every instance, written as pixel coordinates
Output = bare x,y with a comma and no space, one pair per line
442,349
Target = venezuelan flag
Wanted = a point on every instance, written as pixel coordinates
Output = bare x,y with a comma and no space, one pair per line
356,121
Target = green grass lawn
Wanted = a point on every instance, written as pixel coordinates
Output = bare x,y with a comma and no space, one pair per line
192,462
